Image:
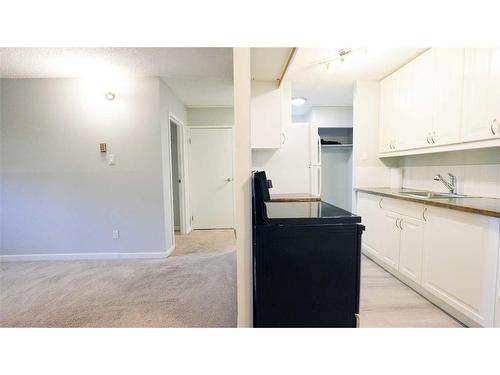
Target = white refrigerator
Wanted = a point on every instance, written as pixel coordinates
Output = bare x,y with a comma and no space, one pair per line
295,168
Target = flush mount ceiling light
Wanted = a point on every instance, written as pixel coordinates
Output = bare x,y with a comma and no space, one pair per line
299,101
110,96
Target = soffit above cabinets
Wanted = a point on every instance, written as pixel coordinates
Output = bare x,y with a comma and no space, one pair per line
269,64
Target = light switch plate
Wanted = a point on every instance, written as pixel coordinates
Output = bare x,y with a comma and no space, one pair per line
116,234
111,159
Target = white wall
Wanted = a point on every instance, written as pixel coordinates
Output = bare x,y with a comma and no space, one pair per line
242,184
59,194
477,171
368,169
334,117
336,187
328,116
210,116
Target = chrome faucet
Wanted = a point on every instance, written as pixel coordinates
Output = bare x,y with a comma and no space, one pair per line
451,186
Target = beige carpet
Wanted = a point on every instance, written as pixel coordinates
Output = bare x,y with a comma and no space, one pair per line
195,287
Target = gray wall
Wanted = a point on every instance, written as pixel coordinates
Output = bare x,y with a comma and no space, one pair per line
216,116
169,104
59,194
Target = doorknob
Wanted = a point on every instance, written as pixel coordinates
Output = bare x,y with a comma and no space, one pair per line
229,179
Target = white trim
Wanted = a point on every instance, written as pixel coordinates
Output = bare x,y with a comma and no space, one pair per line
472,145
85,256
183,169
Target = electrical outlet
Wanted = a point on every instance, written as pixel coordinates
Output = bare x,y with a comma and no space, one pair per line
116,234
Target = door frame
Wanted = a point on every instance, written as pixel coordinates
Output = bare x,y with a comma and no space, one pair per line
183,171
233,155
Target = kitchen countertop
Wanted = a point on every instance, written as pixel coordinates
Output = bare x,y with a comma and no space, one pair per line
295,197
476,205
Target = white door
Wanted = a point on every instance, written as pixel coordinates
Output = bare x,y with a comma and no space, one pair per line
211,163
410,252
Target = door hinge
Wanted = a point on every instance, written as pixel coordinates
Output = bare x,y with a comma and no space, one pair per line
189,140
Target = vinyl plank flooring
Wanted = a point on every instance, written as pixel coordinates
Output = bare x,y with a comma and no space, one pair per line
387,302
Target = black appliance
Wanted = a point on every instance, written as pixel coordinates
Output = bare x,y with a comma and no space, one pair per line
306,262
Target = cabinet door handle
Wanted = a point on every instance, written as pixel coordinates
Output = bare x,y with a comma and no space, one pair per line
491,127
380,202
283,138
423,214
401,224
432,137
428,141
397,226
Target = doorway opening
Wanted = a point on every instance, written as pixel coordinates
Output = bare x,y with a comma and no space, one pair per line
180,218
176,179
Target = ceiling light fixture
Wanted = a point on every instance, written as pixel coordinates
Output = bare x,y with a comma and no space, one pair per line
298,101
110,96
339,58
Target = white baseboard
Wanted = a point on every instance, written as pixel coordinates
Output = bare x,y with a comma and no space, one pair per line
86,256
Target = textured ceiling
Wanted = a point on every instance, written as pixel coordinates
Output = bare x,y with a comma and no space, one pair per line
199,76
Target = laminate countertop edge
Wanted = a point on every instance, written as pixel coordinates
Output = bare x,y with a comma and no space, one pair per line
475,205
295,198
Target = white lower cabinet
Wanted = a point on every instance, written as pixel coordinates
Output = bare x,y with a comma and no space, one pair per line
391,239
460,261
497,296
410,254
370,210
448,254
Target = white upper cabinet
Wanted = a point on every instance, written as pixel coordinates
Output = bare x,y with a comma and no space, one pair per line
481,116
448,73
443,97
266,115
389,103
418,93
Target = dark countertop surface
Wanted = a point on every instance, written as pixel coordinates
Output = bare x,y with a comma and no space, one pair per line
477,205
317,211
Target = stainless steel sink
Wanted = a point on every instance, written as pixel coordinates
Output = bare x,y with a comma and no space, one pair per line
431,194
